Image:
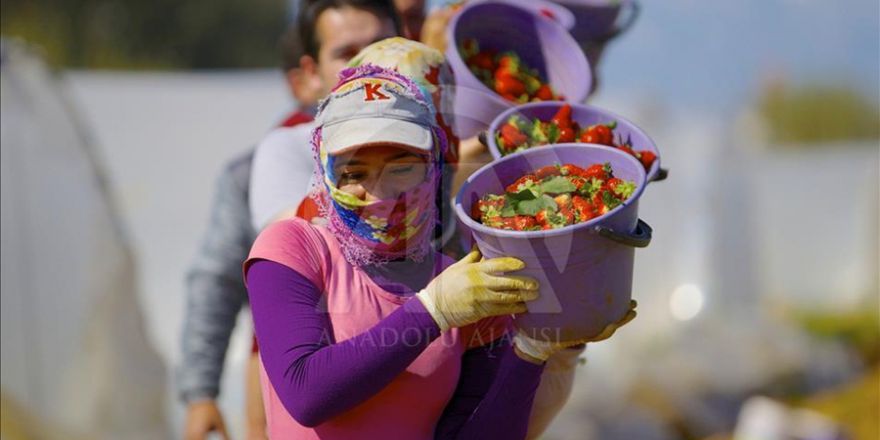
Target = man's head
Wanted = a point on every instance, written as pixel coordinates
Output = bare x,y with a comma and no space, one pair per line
332,31
304,88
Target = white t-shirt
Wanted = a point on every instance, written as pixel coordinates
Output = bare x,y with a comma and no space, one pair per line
281,173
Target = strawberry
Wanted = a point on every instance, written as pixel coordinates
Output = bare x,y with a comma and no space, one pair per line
597,171
514,188
577,181
567,214
482,60
475,210
508,63
611,184
541,218
512,137
627,149
544,93
570,170
562,118
507,84
647,157
599,207
549,170
583,207
598,134
524,222
562,200
566,134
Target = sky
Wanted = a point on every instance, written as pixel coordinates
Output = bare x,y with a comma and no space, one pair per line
716,54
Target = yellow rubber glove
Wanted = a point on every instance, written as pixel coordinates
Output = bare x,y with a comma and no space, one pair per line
471,290
542,350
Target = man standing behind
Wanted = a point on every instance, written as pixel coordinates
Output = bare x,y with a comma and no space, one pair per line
329,33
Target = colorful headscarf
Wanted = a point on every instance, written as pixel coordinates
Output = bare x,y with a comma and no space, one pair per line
428,68
384,230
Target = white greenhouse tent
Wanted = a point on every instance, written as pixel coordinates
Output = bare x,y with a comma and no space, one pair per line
76,362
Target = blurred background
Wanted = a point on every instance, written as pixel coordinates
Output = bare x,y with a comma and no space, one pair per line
758,297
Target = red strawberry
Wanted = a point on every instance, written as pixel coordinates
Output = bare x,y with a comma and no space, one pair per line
501,222
513,188
571,170
541,218
577,181
598,134
523,222
628,150
566,134
549,170
544,93
596,171
611,184
583,207
482,60
647,158
562,118
567,214
562,200
509,85
512,137
506,64
599,207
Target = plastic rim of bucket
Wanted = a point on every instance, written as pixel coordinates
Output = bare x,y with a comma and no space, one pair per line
465,217
556,11
528,110
585,14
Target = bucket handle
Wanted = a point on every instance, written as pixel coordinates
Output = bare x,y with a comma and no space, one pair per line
639,238
626,23
662,174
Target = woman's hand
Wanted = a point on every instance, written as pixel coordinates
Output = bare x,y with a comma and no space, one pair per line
202,418
471,290
536,351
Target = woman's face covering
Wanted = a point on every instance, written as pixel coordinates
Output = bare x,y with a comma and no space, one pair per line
379,172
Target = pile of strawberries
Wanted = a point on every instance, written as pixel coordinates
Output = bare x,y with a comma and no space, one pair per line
553,197
506,74
518,134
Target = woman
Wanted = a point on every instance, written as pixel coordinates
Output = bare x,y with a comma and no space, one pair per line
349,349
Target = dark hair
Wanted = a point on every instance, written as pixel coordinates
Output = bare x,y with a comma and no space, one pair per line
307,20
291,47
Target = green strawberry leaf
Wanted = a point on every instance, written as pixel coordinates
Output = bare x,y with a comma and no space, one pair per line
533,206
528,193
552,133
508,210
557,185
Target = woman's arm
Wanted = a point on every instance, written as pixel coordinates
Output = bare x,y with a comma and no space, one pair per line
315,377
494,395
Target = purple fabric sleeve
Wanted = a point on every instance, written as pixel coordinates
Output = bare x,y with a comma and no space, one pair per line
494,395
316,378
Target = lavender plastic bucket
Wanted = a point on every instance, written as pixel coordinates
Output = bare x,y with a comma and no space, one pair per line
584,115
598,21
585,270
541,43
547,9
